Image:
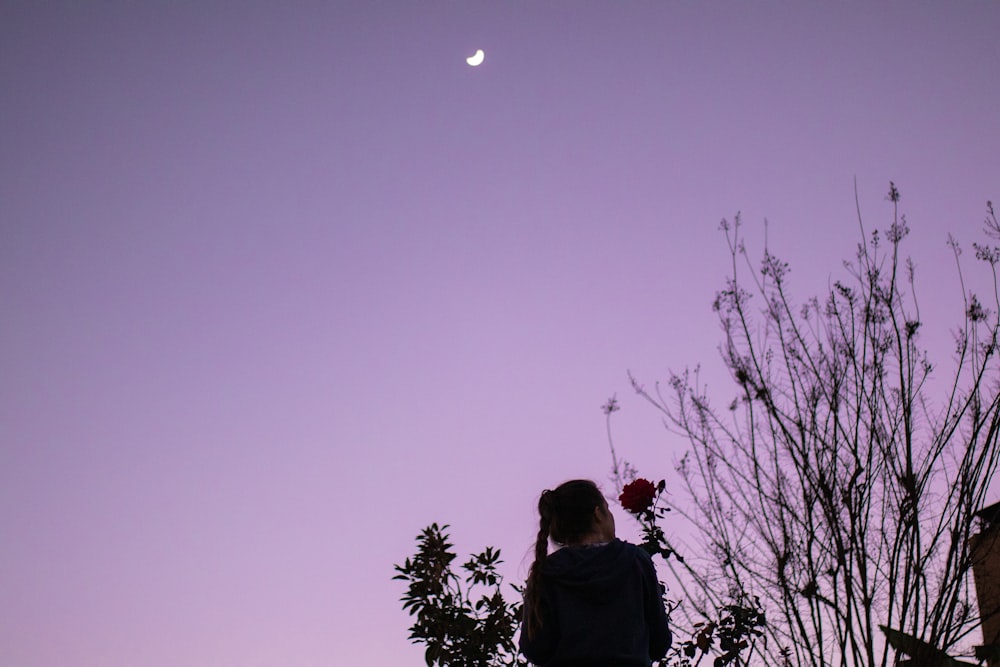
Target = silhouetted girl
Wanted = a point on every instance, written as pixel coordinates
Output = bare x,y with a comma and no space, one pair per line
595,601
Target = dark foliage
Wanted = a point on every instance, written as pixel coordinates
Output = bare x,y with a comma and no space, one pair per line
466,624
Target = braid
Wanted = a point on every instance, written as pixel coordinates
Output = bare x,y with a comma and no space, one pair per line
566,515
533,587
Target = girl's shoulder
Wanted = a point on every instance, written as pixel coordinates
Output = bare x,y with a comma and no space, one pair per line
628,546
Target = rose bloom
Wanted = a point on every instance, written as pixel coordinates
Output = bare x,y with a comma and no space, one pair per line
637,496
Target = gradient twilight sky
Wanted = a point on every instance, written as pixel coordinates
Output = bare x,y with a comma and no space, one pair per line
283,283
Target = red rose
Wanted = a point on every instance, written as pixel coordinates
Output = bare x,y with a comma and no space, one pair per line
637,496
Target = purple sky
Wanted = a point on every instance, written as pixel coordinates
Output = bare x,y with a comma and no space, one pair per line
283,283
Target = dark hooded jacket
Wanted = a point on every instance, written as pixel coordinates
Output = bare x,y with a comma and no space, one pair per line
600,606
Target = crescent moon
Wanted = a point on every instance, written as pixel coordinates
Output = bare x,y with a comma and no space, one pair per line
476,59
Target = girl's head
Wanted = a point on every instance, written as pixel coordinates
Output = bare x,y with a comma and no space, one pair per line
573,513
